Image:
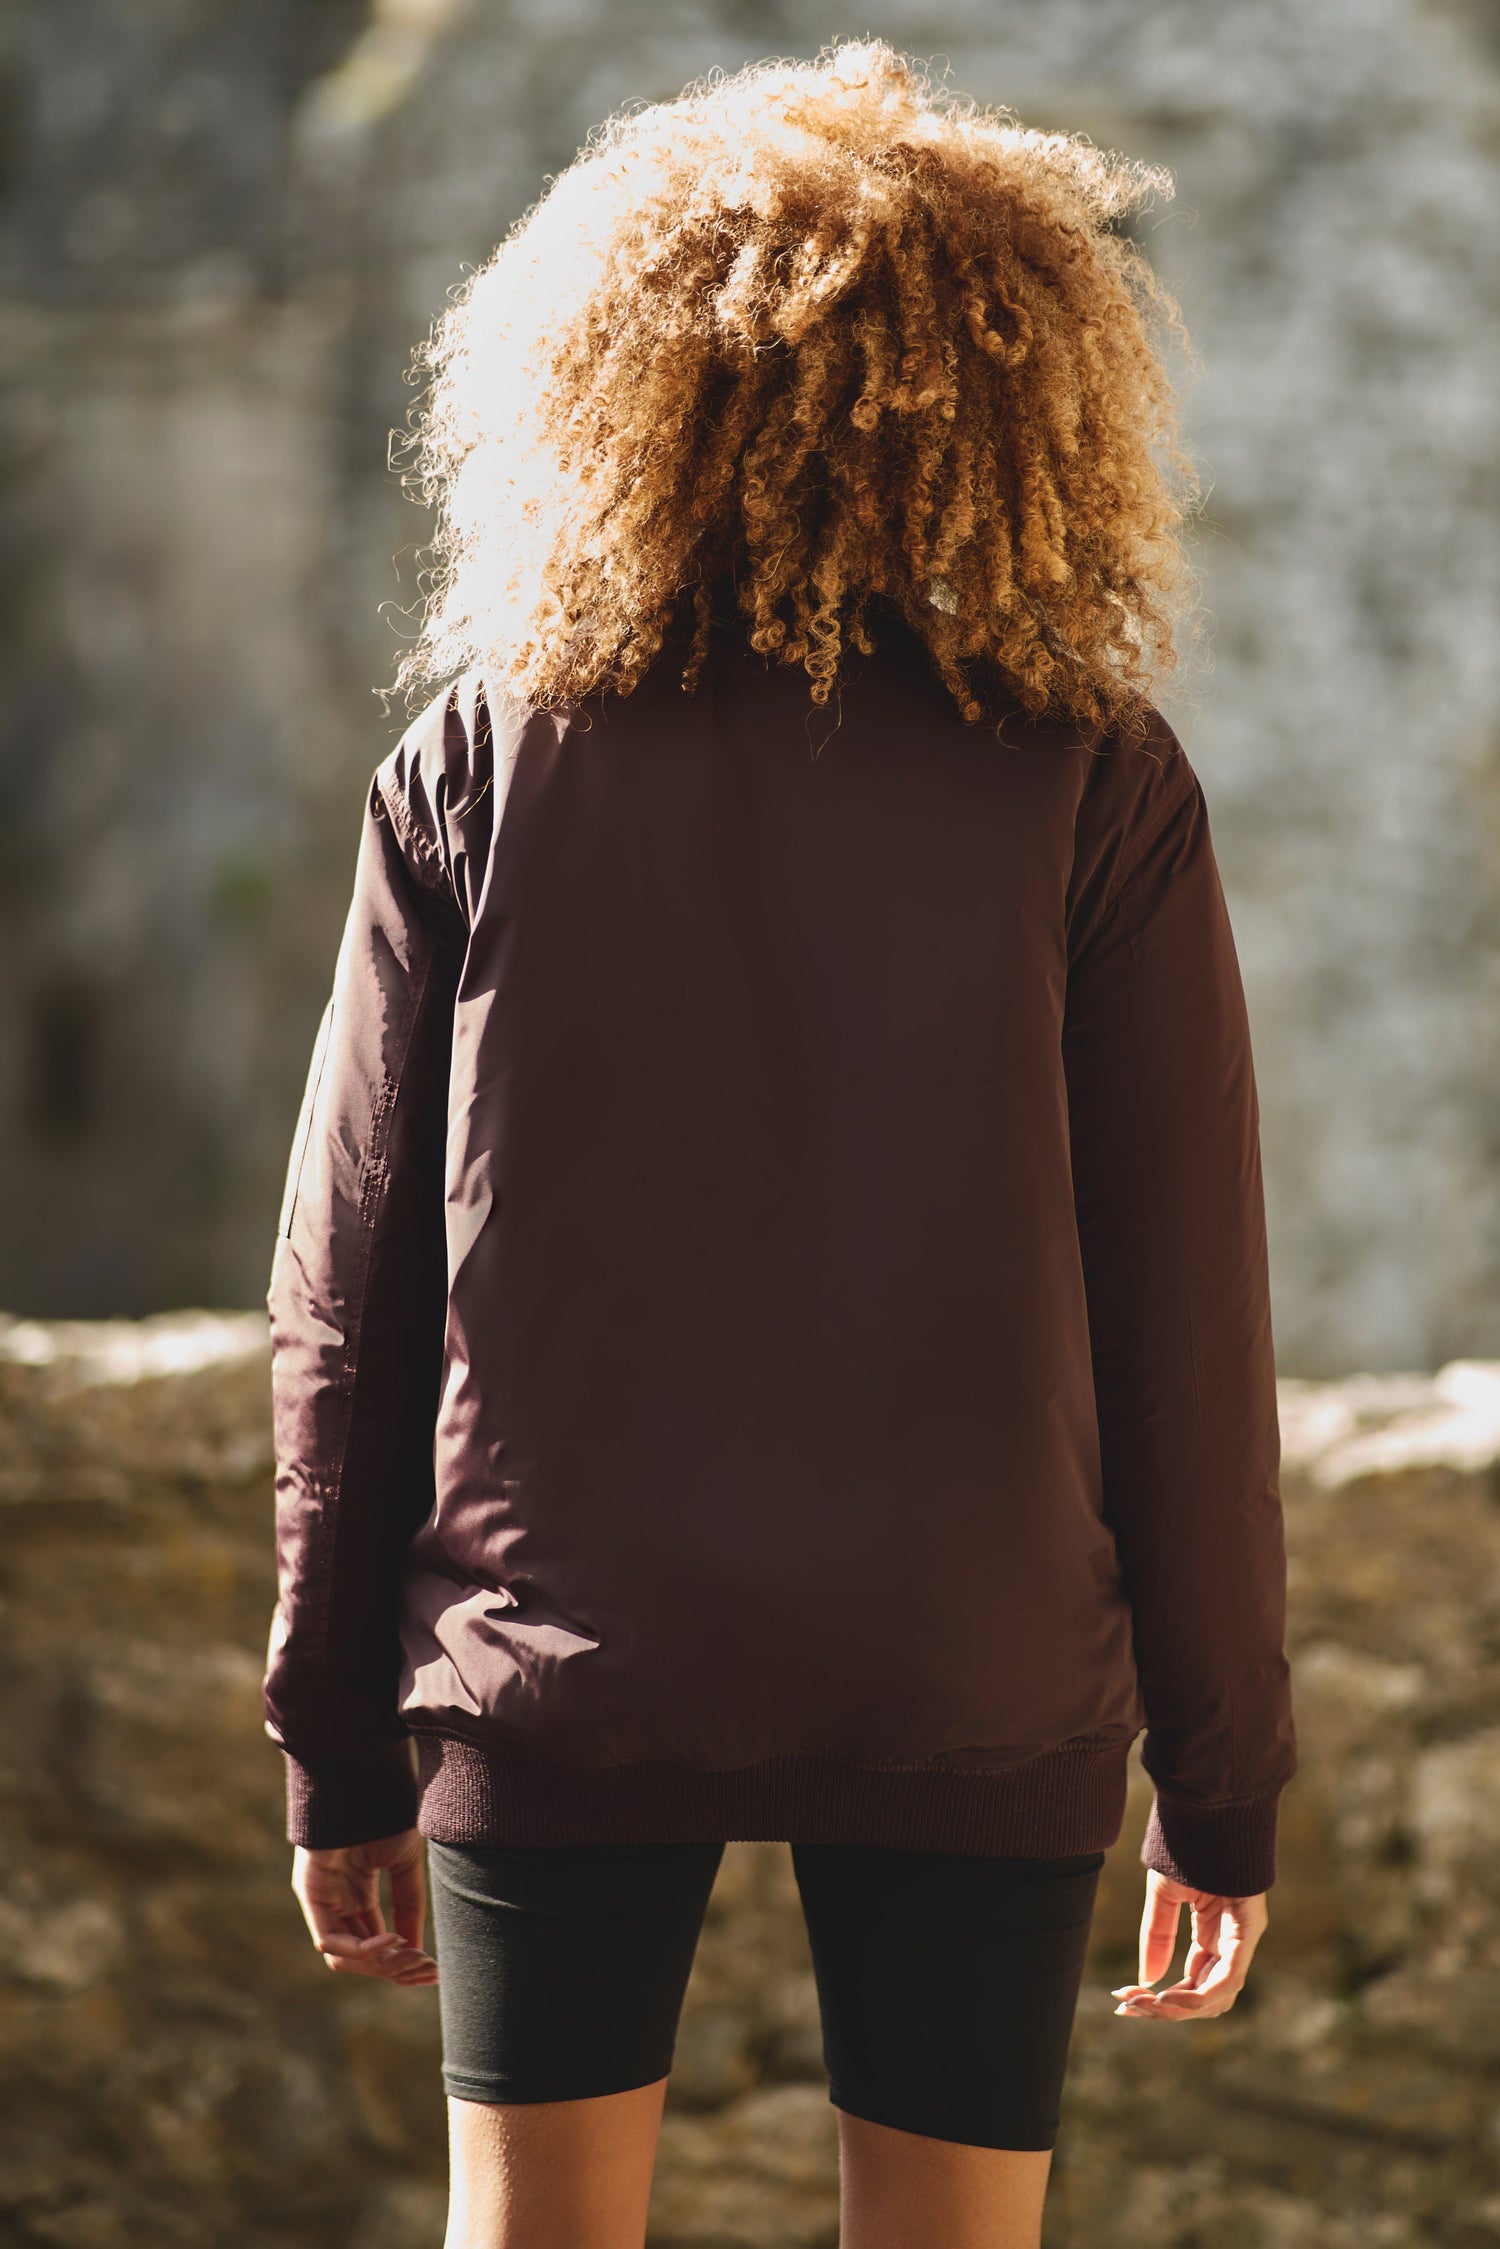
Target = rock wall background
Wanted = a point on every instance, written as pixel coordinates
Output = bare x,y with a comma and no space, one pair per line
178,2068
223,229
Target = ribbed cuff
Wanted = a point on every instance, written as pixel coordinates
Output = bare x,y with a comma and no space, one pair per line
351,1800
1227,1849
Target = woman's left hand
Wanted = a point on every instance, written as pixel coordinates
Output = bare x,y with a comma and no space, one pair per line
339,1893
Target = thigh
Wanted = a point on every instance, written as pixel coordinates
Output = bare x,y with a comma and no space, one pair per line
562,1971
948,1984
552,2174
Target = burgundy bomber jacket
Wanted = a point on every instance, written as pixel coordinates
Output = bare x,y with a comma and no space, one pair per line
770,1319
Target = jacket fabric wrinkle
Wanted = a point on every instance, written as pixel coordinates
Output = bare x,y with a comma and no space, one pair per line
770,1317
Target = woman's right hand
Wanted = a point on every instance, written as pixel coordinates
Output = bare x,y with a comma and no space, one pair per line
1226,1932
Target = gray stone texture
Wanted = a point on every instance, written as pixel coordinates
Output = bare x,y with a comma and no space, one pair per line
225,229
178,2068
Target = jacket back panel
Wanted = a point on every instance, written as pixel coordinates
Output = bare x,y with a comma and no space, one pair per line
766,1418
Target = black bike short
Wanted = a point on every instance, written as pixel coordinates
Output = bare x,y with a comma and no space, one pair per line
947,1982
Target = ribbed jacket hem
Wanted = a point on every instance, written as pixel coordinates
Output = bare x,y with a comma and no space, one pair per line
1067,1801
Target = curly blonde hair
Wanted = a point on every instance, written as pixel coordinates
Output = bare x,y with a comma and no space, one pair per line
813,336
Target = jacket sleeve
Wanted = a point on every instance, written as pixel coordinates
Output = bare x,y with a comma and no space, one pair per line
357,1302
1167,1179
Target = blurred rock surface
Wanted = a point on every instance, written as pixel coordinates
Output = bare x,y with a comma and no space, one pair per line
177,2066
224,229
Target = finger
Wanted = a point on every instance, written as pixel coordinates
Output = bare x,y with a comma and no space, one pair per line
1233,1962
363,1927
1196,1969
384,1955
327,1920
426,1973
347,1945
1158,1933
1208,1927
1218,1990
323,1921
1202,1955
1206,1999
331,1893
1165,2006
405,1966
402,1967
1193,2007
1245,1919
409,1898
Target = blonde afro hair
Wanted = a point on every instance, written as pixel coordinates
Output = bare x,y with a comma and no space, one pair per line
809,338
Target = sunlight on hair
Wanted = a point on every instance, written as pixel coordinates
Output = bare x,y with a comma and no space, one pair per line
811,337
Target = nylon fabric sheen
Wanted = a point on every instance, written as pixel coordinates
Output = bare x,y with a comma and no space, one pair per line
770,1318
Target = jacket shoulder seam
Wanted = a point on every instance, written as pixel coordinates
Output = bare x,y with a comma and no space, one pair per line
409,831
1176,797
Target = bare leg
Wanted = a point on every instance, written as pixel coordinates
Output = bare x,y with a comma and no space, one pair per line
900,2190
553,2174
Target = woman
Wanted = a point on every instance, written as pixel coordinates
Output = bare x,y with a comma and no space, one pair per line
770,1315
